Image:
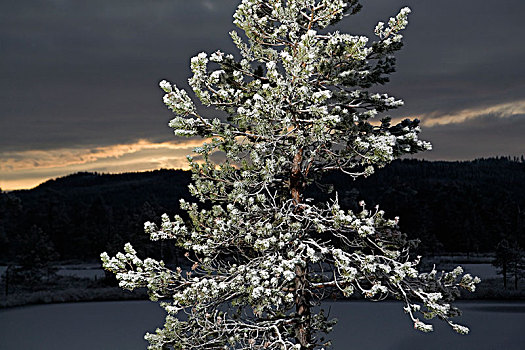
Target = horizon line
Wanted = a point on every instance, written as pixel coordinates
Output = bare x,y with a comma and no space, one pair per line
512,158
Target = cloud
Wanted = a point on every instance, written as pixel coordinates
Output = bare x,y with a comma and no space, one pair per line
26,169
480,137
57,158
84,73
209,5
502,110
93,67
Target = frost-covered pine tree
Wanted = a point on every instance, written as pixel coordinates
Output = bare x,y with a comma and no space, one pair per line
263,255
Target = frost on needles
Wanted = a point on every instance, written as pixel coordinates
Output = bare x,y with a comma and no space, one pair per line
264,255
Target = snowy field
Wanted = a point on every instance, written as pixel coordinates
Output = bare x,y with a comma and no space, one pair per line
483,271
91,271
362,325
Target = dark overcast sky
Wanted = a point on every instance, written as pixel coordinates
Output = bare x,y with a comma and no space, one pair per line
78,79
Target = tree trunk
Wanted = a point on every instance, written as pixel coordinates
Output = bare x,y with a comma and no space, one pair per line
296,178
302,307
303,334
7,282
504,271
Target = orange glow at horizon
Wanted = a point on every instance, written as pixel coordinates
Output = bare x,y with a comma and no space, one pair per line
502,110
27,169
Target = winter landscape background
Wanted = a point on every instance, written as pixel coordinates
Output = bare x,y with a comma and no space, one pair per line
51,237
79,96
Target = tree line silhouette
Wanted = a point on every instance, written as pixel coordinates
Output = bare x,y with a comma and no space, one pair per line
466,207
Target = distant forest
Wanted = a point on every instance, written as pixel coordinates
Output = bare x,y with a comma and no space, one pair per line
450,206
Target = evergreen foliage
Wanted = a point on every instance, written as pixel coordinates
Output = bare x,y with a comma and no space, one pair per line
510,261
265,254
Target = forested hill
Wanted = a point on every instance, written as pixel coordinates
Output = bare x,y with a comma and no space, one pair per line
83,214
450,206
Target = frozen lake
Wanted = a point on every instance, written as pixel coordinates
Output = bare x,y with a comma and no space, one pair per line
362,325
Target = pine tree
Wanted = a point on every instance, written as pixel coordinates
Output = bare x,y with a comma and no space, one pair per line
262,253
509,261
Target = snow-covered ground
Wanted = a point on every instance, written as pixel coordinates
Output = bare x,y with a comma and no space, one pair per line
483,271
91,271
362,325
473,257
476,264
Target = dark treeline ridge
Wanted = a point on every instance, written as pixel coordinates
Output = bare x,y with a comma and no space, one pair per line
465,206
450,206
84,214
